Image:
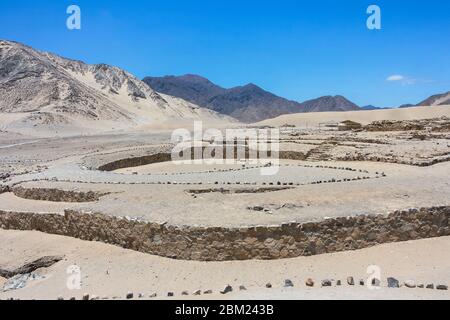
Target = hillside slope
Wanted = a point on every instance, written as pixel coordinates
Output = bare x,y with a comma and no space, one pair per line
46,92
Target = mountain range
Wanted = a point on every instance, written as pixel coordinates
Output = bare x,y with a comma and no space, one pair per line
43,91
248,103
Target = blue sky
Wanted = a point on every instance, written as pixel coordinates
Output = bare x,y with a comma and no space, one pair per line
296,49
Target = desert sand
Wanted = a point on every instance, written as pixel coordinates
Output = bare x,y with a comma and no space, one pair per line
324,176
363,117
109,272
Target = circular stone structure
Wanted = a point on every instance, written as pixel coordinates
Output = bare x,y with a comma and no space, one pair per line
139,199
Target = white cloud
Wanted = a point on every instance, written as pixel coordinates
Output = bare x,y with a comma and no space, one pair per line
395,77
402,79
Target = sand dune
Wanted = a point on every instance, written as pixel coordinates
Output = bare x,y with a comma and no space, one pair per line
364,117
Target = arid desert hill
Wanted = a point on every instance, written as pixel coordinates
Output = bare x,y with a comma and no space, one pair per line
437,100
43,92
363,117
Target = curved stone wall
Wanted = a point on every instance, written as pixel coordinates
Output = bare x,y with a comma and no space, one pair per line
132,162
56,195
4,189
136,162
222,244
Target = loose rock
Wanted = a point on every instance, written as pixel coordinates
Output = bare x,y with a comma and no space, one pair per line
351,281
288,283
410,284
326,283
227,289
393,283
376,282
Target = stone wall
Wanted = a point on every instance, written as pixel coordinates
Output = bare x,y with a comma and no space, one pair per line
222,244
4,189
133,162
136,162
422,162
56,195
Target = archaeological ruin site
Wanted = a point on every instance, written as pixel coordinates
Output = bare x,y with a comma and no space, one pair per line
301,160
335,192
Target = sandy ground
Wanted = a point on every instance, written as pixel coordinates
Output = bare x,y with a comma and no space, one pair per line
109,271
363,117
64,163
404,187
342,293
